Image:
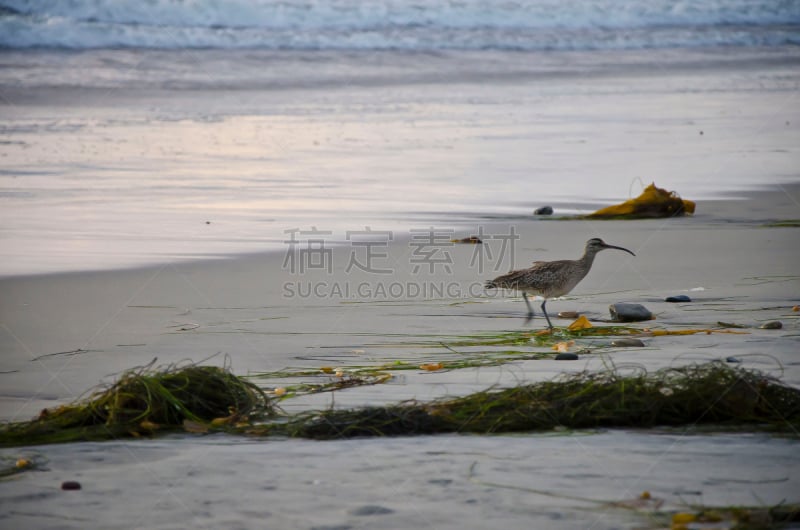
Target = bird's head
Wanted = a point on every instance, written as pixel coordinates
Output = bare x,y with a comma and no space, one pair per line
595,245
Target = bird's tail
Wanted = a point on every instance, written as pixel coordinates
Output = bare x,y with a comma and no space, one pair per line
490,284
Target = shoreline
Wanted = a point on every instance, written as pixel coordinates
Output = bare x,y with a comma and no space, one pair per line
783,199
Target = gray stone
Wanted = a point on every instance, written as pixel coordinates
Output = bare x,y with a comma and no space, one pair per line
624,312
371,509
677,298
730,325
627,343
567,357
544,210
775,324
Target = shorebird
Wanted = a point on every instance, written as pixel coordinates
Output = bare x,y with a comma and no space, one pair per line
550,279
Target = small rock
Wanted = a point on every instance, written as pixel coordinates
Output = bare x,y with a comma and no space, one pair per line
371,509
627,343
567,357
568,314
732,360
730,325
70,485
624,312
677,298
544,210
775,324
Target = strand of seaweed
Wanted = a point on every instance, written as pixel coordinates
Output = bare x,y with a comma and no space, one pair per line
197,398
474,351
709,393
488,349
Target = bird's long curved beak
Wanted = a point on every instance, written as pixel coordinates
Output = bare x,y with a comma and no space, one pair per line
606,245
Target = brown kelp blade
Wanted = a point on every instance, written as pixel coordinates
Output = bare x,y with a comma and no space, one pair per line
652,203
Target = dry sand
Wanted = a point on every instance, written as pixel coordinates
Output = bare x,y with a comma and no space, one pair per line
62,334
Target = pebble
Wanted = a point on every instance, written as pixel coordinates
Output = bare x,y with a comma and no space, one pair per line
371,509
677,298
70,485
627,343
775,324
624,312
567,357
729,325
544,210
568,314
732,360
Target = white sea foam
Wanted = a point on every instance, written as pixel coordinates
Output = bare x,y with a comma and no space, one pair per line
399,24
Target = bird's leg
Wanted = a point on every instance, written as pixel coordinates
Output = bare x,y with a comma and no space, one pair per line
545,315
530,309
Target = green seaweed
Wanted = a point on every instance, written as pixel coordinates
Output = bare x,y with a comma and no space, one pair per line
710,393
202,399
143,401
783,223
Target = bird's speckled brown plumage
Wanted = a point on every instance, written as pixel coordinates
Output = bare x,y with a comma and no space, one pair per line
550,279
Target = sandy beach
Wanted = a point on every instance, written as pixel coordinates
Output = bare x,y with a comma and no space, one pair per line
64,333
278,187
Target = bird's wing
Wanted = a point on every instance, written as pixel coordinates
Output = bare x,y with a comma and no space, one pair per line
508,280
537,278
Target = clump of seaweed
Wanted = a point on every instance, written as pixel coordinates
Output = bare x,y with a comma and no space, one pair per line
710,393
653,202
144,400
200,399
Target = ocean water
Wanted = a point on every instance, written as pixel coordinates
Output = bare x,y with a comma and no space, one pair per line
398,24
143,132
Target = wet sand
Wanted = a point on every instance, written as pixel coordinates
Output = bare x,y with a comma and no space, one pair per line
162,163
62,334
